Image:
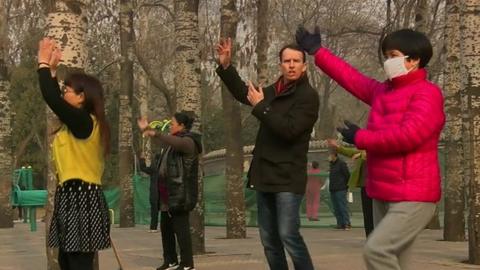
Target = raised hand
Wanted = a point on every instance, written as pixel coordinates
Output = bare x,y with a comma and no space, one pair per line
309,42
55,58
46,46
142,123
224,51
332,143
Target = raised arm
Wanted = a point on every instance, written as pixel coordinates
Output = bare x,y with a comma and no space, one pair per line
359,85
229,75
77,120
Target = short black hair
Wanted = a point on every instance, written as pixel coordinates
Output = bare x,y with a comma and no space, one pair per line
315,164
294,47
185,119
410,42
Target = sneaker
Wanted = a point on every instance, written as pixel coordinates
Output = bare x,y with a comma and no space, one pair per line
153,231
181,267
168,266
347,227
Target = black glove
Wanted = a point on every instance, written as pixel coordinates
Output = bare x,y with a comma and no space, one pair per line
349,132
307,41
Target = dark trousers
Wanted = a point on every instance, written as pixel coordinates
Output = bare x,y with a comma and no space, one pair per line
75,260
279,226
367,212
340,207
154,208
176,225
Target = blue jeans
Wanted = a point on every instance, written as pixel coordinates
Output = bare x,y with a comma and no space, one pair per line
340,208
279,225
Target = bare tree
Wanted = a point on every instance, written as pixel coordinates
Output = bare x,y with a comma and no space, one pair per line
454,219
470,70
125,162
6,159
262,41
188,94
421,16
235,206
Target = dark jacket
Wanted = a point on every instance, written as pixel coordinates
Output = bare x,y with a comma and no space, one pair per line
152,171
181,174
339,175
279,161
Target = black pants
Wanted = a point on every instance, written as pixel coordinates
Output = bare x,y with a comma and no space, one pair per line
176,225
75,260
154,208
367,209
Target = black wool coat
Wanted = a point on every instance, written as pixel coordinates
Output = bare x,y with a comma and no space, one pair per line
279,161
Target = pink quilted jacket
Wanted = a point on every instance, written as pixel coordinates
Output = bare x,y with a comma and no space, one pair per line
402,132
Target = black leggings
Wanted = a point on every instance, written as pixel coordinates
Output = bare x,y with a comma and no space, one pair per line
176,225
75,260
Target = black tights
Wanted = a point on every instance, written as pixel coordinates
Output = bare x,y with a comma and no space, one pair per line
75,260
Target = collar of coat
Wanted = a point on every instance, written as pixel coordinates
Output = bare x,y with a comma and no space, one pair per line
282,89
411,77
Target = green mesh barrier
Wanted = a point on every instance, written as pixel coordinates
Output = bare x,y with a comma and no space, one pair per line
214,196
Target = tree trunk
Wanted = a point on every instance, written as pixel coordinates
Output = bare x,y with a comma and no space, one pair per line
421,23
470,71
235,200
125,160
421,16
67,24
188,95
454,219
6,159
262,41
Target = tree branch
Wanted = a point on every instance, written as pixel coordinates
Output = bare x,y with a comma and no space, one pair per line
158,4
158,83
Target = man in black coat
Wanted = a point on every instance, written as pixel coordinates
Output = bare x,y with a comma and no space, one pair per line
287,111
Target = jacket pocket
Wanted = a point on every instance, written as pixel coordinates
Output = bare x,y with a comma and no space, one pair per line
276,172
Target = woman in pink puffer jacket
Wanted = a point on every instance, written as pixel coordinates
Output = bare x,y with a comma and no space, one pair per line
401,138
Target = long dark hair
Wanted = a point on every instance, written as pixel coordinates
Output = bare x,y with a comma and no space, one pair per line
94,102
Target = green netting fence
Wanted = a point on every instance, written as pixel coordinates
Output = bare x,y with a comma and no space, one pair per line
214,196
215,212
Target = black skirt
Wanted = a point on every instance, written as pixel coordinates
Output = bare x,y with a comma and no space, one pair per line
80,221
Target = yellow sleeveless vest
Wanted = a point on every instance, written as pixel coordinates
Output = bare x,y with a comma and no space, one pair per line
78,158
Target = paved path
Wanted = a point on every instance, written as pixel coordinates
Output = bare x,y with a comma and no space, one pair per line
21,249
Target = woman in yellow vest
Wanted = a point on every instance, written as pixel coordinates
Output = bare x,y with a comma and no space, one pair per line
80,224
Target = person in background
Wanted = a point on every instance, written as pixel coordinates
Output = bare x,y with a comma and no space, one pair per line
178,172
357,179
154,197
80,224
339,175
312,194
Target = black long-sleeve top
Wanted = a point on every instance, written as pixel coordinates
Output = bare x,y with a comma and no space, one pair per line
78,120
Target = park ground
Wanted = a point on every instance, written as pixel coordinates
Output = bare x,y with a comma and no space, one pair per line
21,249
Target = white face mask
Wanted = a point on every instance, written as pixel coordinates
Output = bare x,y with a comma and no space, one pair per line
395,67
